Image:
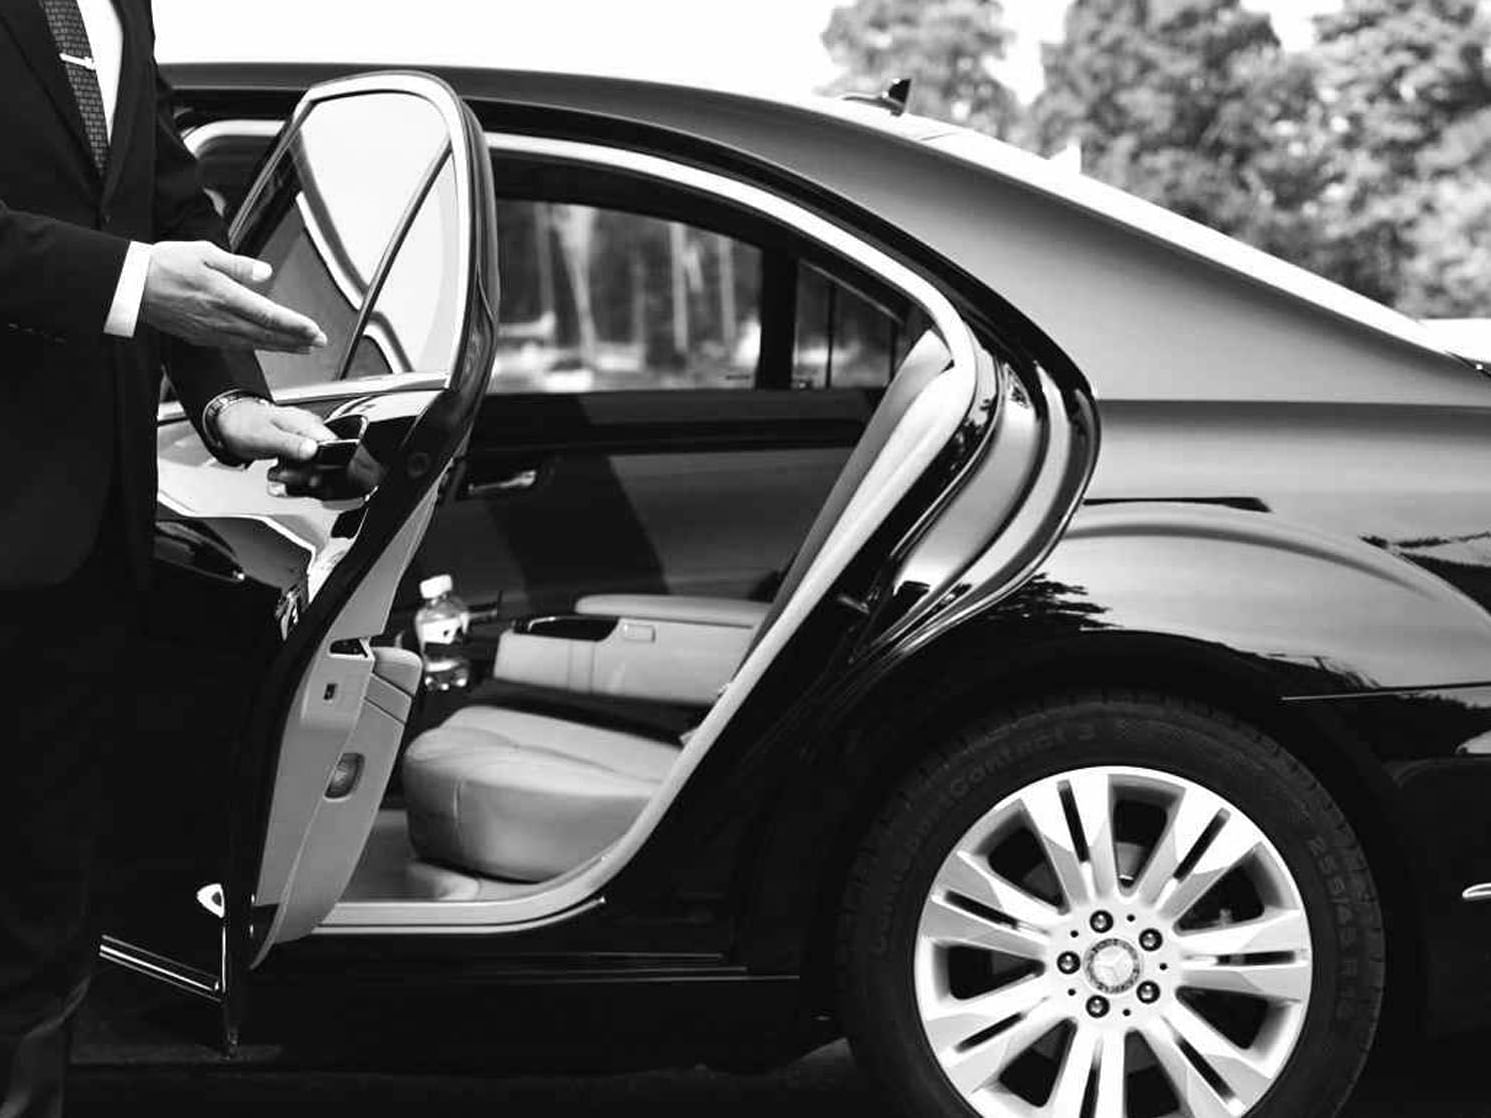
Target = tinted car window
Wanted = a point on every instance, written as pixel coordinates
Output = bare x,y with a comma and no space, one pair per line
356,166
601,300
843,339
415,321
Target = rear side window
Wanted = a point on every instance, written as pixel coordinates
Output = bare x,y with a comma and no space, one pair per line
843,339
601,300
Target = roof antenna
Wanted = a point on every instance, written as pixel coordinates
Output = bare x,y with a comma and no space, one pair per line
893,97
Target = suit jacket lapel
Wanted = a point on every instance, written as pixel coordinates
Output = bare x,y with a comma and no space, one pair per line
28,23
134,83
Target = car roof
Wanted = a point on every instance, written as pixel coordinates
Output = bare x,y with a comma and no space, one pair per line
931,179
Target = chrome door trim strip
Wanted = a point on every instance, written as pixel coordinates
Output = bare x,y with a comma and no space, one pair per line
1481,892
189,979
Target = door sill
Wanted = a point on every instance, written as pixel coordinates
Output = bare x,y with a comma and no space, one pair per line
434,918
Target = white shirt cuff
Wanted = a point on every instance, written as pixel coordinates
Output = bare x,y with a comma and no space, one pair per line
124,312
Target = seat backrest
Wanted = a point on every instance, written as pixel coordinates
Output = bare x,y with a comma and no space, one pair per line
928,358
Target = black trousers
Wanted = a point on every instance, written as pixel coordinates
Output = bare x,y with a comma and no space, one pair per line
63,671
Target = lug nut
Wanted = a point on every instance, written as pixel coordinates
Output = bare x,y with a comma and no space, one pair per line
1101,922
1150,940
1097,1006
1067,963
1148,993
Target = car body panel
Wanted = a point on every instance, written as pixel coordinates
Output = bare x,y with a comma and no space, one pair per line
1286,520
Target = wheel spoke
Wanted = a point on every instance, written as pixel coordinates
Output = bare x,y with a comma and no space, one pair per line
1243,1074
1042,804
951,1021
968,875
1076,1071
1109,1102
1198,1098
1286,930
1190,815
946,923
1229,846
975,1067
1275,982
1092,794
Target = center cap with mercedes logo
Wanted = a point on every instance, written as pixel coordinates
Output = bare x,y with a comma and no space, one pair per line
1113,966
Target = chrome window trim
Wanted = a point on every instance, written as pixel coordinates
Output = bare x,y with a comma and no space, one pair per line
948,398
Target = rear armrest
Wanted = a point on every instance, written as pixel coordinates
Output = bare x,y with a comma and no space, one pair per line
646,646
730,612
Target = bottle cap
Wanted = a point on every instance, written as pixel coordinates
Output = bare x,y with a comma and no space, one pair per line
434,586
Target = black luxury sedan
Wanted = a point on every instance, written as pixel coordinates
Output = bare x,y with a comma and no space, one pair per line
916,594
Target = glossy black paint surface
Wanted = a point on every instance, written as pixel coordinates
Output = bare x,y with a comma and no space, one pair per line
1310,556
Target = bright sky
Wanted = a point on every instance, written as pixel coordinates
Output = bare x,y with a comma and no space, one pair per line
766,45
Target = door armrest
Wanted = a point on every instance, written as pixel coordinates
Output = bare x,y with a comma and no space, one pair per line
732,613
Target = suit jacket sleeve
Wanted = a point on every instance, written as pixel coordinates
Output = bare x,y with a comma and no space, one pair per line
56,278
183,212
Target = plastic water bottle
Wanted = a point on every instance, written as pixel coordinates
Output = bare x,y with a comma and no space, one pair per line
440,627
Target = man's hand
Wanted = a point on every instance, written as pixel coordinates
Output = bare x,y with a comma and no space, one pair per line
253,428
199,293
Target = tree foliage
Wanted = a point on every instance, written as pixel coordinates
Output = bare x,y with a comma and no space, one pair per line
1366,158
948,48
1190,105
1402,83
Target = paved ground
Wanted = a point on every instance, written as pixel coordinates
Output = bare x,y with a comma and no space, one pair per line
1447,1082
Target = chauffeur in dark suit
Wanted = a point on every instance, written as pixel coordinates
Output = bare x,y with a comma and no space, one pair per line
111,265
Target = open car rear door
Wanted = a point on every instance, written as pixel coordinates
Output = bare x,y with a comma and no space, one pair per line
376,209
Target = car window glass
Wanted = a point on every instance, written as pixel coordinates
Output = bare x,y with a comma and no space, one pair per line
353,169
843,340
601,300
415,321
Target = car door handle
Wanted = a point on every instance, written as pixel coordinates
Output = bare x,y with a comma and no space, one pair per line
514,482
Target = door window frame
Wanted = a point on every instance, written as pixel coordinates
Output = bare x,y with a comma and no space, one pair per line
781,261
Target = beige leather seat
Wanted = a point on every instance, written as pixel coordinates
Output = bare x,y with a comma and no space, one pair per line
522,796
526,797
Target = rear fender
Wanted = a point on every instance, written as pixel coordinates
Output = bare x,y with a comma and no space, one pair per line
1328,614
1230,607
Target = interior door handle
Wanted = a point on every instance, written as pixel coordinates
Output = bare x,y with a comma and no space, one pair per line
514,482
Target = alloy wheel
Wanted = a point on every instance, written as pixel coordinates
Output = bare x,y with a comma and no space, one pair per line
1117,942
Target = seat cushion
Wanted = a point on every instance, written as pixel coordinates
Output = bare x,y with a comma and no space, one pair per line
524,796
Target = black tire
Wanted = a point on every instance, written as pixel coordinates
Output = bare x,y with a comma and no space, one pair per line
947,795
